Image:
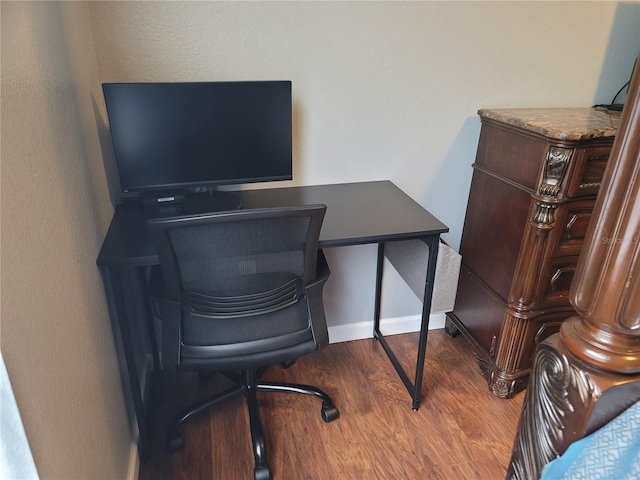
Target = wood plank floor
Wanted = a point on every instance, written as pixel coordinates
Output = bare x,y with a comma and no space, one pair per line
459,432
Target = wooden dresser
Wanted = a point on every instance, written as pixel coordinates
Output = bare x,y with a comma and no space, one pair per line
535,180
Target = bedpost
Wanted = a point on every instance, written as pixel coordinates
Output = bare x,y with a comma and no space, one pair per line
590,372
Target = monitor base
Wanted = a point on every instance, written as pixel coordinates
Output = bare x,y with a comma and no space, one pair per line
210,202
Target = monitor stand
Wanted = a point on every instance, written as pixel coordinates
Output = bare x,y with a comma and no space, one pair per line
210,202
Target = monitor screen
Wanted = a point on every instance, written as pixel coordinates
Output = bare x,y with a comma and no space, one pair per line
181,135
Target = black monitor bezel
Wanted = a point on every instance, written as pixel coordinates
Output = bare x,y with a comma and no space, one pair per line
136,190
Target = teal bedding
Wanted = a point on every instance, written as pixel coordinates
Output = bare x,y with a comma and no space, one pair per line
610,453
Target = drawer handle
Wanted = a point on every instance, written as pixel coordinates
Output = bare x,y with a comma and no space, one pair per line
589,185
557,278
554,279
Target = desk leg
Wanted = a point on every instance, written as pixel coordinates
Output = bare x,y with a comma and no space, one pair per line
148,308
433,242
152,387
414,389
120,323
378,298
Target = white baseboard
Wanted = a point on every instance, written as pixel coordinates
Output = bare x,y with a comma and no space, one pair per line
134,458
388,326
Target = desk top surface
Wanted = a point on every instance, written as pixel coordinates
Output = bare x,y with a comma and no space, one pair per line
357,213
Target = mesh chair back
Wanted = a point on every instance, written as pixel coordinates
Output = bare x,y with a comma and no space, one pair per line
226,258
238,276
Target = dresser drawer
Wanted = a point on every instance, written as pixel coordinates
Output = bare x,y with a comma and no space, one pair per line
572,223
546,326
559,276
589,167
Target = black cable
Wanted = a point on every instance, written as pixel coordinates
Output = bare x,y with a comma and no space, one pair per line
620,91
613,105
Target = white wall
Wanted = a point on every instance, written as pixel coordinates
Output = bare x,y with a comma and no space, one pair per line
382,90
56,335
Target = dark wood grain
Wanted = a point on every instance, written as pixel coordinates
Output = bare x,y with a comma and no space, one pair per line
493,229
510,156
460,431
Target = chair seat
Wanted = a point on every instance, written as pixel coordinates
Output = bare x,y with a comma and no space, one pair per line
263,359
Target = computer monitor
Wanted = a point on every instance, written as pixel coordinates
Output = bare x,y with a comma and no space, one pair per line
177,136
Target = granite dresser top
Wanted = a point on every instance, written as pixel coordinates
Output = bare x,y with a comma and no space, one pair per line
569,124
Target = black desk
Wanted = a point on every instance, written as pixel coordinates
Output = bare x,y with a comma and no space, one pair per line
357,213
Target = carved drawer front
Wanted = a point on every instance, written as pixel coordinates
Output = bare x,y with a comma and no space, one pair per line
559,278
572,223
589,170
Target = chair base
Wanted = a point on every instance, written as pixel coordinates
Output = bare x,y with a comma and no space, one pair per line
248,383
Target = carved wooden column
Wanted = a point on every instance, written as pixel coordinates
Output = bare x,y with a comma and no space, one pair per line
590,371
529,286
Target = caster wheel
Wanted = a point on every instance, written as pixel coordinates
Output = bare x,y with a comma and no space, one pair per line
175,442
287,364
261,473
329,413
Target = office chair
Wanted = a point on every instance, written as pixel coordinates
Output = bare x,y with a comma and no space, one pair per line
242,290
